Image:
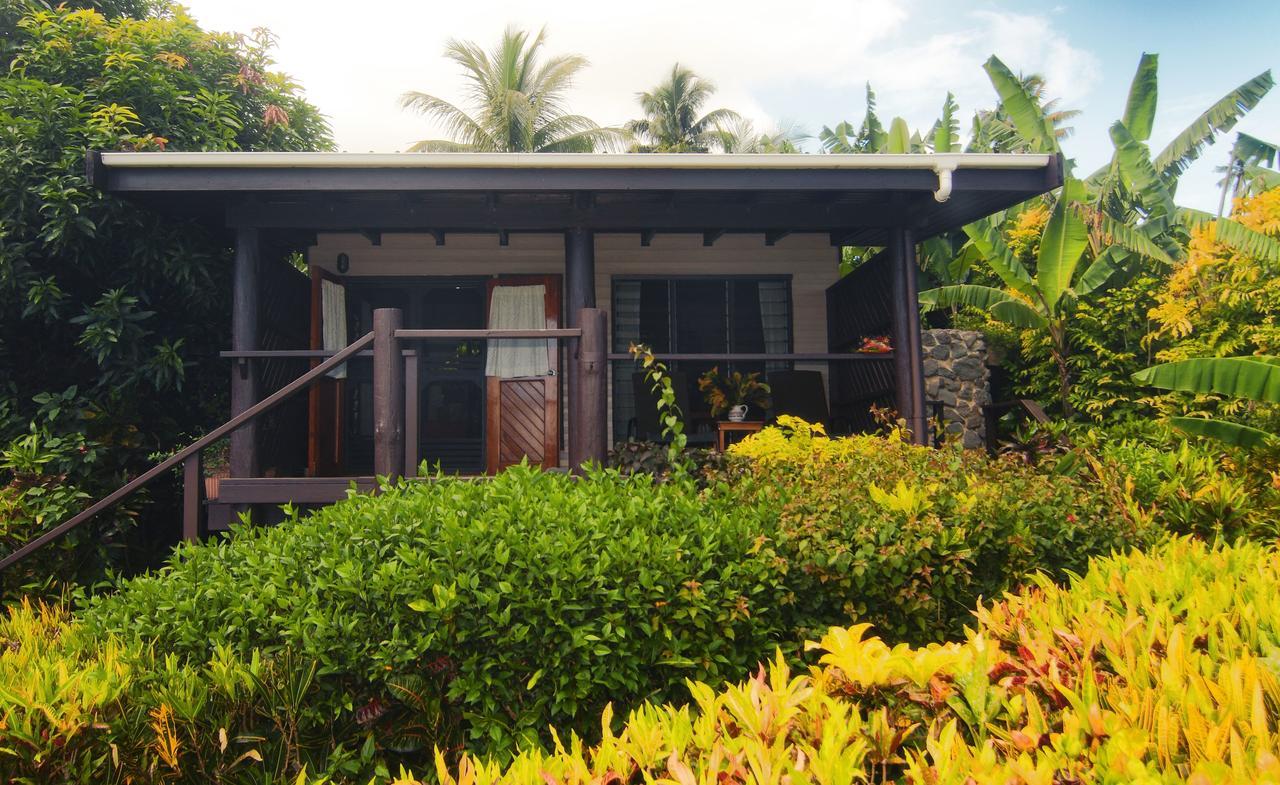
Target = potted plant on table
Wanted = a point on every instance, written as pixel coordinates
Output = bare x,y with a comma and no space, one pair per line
733,393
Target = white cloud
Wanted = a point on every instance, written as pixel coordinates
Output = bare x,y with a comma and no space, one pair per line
354,66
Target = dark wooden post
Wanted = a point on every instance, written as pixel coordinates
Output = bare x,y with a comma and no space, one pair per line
579,273
589,435
192,498
580,293
244,338
388,394
908,364
411,413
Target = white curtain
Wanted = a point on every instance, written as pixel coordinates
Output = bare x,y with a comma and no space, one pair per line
518,308
333,321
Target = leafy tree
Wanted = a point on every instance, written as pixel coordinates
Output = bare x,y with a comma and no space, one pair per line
516,101
1041,300
674,121
111,316
1126,209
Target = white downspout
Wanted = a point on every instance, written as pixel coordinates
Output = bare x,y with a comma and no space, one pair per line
943,169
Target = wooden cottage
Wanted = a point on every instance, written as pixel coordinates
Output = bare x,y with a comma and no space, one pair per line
475,310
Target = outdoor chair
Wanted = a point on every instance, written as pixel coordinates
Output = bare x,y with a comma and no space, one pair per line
802,394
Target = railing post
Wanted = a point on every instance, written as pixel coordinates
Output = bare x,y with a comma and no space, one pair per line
411,403
192,498
244,337
388,394
588,432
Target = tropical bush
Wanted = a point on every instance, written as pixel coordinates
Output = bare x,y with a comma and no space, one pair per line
510,604
1151,668
475,614
908,538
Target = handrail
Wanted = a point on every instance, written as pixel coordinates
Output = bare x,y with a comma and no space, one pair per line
758,356
442,335
261,407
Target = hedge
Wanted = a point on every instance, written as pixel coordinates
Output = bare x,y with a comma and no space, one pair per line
480,613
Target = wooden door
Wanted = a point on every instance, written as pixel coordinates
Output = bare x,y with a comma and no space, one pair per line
523,414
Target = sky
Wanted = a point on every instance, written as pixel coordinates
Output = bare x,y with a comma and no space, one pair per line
787,64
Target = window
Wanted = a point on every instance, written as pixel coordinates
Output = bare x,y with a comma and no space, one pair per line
696,315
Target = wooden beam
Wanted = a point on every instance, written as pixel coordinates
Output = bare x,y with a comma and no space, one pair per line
579,272
588,430
244,337
564,180
412,399
710,236
373,236
340,214
504,238
388,394
907,360
192,498
771,238
646,237
438,234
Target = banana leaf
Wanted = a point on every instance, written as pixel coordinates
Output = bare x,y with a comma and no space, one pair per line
1253,378
1221,430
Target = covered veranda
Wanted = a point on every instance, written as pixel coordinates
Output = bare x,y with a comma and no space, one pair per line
271,204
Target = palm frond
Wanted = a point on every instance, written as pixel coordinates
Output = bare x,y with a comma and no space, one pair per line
946,134
1252,378
1021,106
1140,106
1141,176
1218,118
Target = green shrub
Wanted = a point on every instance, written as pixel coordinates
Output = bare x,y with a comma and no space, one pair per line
1187,486
909,538
529,599
478,613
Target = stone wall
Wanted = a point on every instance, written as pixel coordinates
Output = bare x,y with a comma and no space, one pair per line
955,373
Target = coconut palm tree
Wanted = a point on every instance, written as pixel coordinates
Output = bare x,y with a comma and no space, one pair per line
672,121
742,136
516,101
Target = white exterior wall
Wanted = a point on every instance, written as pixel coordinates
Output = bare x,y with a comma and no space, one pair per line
809,259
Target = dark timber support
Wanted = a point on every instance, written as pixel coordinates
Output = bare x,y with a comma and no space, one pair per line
589,434
411,414
908,365
388,394
580,293
244,338
579,272
192,498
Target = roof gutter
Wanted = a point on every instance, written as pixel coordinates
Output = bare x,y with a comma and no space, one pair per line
237,160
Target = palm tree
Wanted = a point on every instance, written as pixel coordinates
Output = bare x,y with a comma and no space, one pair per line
671,121
742,136
517,102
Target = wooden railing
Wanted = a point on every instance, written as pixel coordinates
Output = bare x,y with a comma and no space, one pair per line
189,456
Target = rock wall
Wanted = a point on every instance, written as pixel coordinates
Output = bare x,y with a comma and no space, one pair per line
955,373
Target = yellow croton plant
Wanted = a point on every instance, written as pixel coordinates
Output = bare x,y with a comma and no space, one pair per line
1153,668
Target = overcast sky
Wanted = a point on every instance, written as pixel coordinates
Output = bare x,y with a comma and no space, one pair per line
782,63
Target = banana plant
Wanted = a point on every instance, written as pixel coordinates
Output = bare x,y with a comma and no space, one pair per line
1255,378
1041,301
